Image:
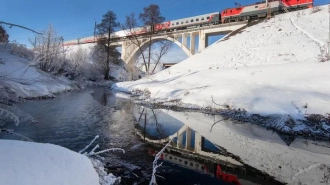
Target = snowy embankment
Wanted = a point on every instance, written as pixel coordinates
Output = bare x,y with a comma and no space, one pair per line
38,164
117,71
272,68
303,162
26,81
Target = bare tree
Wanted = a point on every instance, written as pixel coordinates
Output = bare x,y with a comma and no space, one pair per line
150,17
165,47
77,61
48,48
104,30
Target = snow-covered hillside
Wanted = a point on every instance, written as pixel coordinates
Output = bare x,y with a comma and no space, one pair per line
117,71
27,81
271,68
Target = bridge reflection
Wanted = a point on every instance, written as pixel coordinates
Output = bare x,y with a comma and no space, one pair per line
190,149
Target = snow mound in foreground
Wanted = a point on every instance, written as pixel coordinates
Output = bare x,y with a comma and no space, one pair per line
271,68
39,164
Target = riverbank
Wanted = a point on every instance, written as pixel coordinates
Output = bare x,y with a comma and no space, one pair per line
273,74
31,162
19,80
271,71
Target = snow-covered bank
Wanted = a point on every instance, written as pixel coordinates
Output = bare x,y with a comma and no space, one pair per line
26,81
303,162
271,68
39,164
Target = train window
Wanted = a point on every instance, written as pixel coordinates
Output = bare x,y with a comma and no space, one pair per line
175,158
172,24
238,8
187,21
170,157
231,11
177,23
185,162
208,18
202,19
181,22
191,164
180,160
197,19
256,6
192,20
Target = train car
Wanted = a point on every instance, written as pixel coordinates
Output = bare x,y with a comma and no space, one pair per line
239,13
297,4
163,26
198,167
260,9
196,21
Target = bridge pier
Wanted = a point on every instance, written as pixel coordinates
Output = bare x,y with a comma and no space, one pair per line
198,142
202,40
184,38
179,141
192,43
188,139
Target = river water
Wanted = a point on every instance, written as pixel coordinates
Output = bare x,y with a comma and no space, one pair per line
73,119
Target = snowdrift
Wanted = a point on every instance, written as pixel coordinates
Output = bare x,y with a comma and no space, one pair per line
36,164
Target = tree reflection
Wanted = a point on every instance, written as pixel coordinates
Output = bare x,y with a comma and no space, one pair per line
148,117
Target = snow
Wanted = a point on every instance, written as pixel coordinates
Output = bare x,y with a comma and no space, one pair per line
117,71
271,68
27,81
304,161
38,164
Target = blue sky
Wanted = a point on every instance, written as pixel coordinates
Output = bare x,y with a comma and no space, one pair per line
75,18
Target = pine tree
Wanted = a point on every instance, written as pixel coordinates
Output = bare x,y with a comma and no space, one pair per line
105,29
3,35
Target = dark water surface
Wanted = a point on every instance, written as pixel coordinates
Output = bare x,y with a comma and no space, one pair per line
73,119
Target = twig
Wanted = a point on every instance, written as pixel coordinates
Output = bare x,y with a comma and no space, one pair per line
155,165
10,24
96,137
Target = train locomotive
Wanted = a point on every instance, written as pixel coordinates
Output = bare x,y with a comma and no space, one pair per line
239,13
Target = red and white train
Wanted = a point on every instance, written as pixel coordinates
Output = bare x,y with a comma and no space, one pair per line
236,14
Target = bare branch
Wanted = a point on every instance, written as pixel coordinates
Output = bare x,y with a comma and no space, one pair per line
10,24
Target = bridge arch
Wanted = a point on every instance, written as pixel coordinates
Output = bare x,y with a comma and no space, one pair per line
135,52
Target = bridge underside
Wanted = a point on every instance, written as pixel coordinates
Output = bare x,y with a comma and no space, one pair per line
130,51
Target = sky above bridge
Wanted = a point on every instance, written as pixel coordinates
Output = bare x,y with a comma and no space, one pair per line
76,18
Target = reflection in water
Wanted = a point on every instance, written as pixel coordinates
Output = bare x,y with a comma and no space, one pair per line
199,143
189,149
195,144
153,121
73,119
